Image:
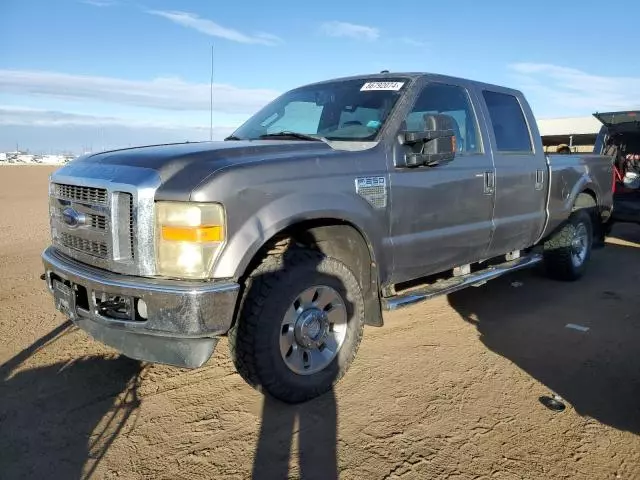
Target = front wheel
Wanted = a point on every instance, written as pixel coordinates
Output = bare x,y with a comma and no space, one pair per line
299,325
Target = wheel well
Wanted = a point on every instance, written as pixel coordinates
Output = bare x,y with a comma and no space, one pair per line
588,201
591,193
337,239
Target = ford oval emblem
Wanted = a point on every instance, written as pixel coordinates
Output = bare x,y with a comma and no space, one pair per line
72,218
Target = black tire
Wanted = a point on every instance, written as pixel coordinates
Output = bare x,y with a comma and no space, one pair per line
269,292
559,259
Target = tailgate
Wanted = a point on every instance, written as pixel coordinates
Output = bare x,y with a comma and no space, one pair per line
616,118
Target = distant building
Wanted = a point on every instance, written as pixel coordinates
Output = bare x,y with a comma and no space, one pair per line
578,132
22,158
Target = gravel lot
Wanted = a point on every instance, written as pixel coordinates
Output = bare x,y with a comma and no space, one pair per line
447,389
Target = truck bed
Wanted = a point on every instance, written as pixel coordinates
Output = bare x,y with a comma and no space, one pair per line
573,173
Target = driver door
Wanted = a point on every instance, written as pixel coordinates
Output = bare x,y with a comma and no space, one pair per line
441,216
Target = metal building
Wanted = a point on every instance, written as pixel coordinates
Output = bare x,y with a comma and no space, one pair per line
579,133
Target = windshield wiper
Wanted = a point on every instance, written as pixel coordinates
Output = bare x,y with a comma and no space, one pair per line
301,136
232,137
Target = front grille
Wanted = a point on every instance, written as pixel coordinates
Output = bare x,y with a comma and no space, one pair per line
90,247
104,236
91,195
104,216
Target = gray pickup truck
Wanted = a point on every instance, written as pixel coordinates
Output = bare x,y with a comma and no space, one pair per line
335,202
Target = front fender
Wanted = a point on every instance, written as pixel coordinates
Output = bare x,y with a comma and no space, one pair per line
245,242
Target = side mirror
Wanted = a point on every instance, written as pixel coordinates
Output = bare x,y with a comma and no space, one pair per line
435,145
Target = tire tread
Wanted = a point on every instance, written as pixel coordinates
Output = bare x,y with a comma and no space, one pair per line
557,250
244,342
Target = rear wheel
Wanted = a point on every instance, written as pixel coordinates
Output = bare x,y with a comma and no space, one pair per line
299,326
567,252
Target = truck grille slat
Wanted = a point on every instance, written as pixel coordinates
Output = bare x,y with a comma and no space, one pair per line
123,247
91,247
98,221
82,194
131,227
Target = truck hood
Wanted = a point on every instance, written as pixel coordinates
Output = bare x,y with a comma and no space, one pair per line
183,166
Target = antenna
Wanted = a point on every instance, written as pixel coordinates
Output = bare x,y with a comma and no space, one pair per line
211,99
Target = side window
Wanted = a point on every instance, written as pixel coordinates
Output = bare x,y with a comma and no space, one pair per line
448,100
509,125
301,117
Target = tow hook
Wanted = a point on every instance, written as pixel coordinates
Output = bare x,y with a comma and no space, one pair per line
43,276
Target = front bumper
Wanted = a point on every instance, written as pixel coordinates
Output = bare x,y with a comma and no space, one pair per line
181,323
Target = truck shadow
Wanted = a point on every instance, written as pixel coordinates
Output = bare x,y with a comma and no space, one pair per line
523,317
315,422
58,421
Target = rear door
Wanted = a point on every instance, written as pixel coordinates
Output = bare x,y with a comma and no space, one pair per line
521,173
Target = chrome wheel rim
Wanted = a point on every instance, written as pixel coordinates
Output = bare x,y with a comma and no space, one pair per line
313,330
579,245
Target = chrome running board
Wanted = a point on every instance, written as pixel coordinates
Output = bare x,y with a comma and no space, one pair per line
454,284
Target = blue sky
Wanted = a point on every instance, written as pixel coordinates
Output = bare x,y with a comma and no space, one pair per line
101,73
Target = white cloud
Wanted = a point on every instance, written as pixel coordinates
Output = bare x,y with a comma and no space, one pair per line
44,131
10,115
208,27
100,3
161,93
350,30
26,116
568,91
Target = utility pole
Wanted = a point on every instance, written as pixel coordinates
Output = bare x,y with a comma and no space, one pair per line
211,99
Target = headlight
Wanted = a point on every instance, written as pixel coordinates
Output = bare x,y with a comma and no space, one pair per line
189,236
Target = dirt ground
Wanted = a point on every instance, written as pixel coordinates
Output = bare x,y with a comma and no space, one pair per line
447,389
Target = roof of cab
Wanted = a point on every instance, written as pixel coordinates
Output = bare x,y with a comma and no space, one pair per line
418,75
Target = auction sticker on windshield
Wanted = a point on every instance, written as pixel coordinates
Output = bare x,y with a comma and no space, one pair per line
381,86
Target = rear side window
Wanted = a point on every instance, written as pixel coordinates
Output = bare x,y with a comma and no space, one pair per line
509,125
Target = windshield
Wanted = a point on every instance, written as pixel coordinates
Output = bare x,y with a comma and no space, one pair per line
347,110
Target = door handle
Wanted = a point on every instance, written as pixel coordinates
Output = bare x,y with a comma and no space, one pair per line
489,183
539,179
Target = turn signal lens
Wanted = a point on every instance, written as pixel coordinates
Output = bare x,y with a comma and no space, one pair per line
211,233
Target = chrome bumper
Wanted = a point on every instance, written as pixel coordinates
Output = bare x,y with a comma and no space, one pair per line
182,319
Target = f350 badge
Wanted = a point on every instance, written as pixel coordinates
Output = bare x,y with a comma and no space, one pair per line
373,190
